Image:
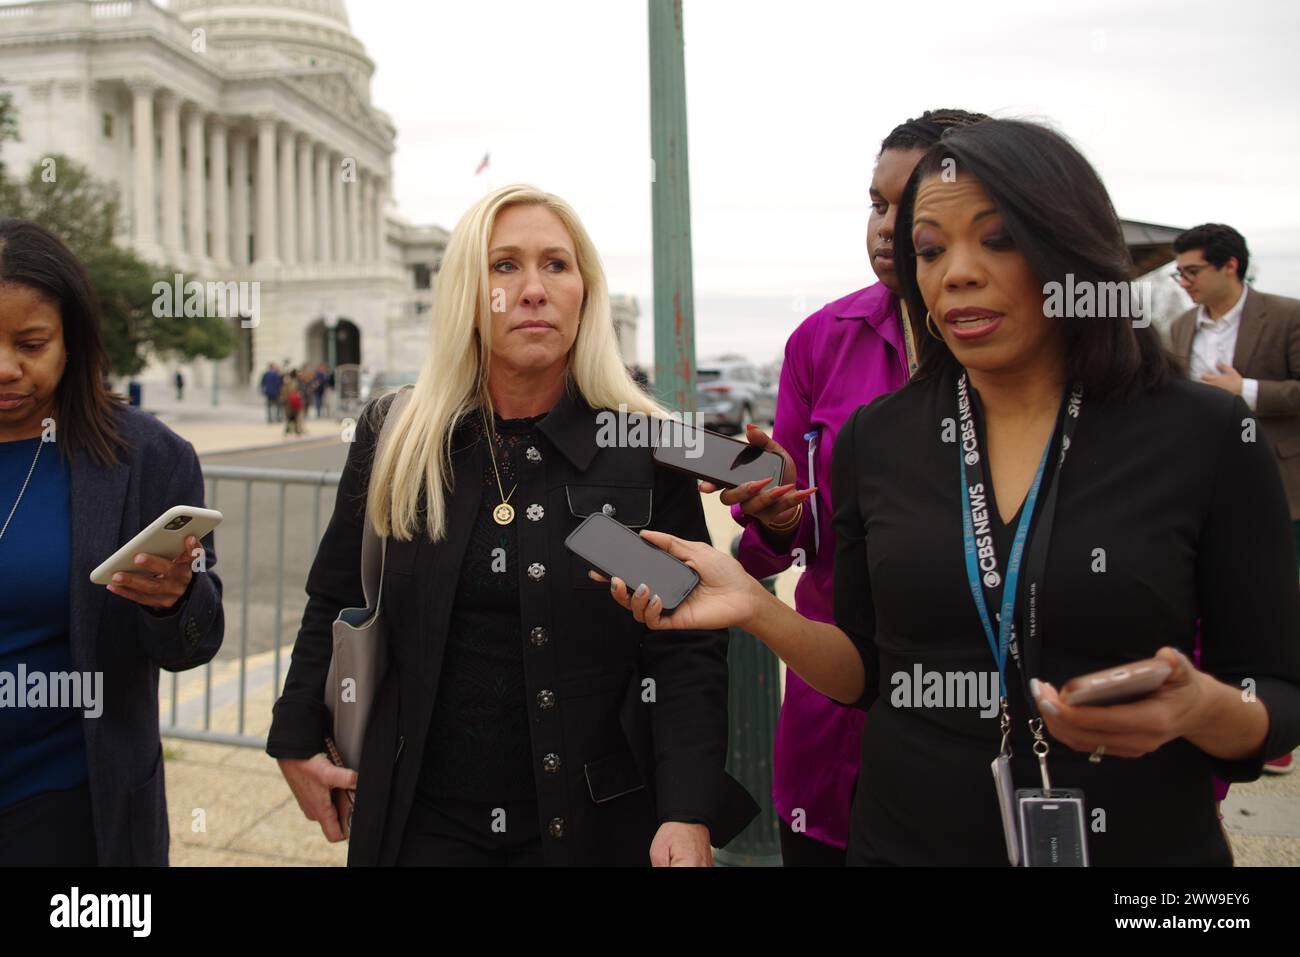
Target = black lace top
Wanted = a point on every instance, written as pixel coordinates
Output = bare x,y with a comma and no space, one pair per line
478,748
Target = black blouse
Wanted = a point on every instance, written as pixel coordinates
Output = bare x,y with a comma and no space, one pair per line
1170,510
478,747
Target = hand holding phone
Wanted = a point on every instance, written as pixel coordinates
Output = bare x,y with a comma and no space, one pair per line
164,570
725,596
1171,699
758,474
164,537
616,551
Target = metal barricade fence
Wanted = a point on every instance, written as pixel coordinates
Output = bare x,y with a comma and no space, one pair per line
212,703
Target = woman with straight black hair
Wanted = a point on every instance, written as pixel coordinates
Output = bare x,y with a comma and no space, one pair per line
81,775
979,567
847,353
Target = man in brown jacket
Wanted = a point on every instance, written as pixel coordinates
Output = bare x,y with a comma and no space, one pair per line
1244,341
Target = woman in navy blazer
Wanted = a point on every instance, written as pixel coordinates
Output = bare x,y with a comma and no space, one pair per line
81,772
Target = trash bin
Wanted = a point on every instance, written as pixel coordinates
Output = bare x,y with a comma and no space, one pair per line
135,393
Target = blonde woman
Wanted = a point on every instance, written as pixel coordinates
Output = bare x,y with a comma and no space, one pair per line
523,720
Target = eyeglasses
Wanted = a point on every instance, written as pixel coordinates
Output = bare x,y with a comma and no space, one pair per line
1188,273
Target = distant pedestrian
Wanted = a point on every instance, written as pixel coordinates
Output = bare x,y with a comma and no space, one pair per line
320,382
180,386
293,404
272,380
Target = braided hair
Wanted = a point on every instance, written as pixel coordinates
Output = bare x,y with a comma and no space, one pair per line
924,131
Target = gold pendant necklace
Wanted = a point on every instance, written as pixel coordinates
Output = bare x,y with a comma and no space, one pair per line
504,513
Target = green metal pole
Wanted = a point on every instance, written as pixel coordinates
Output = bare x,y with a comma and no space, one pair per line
754,697
754,700
674,291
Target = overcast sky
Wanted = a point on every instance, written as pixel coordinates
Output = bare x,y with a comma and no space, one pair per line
1188,110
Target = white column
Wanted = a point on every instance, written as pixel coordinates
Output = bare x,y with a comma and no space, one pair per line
364,230
377,222
239,208
42,94
288,197
171,172
196,200
74,112
218,191
340,214
324,222
306,202
144,227
266,243
354,218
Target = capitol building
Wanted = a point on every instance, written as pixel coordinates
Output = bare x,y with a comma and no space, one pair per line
244,145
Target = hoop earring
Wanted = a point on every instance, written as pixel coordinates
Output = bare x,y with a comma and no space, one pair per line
931,328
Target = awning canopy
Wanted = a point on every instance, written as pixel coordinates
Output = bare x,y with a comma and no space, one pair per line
1150,244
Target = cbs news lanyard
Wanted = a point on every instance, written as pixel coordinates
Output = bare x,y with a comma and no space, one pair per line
982,562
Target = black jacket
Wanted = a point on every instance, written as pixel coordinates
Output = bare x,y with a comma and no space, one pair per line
129,642
616,754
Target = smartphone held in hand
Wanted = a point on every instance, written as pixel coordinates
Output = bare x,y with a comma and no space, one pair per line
165,537
618,552
1117,685
715,458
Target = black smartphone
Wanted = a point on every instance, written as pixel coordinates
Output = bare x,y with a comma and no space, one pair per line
716,458
616,551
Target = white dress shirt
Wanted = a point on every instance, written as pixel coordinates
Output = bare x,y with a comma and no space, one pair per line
1214,341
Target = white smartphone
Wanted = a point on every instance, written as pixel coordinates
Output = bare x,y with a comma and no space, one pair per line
165,537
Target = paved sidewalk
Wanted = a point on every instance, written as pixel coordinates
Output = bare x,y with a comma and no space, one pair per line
215,437
238,422
250,819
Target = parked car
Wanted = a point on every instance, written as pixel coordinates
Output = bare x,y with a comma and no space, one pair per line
732,392
381,383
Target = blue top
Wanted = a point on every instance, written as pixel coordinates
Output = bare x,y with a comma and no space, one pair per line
41,748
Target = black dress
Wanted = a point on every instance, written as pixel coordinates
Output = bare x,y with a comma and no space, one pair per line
1168,513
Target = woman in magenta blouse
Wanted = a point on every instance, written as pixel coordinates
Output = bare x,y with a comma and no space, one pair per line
842,356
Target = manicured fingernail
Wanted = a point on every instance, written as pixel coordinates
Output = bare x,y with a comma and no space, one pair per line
654,600
641,590
139,559
119,578
1035,688
1048,707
